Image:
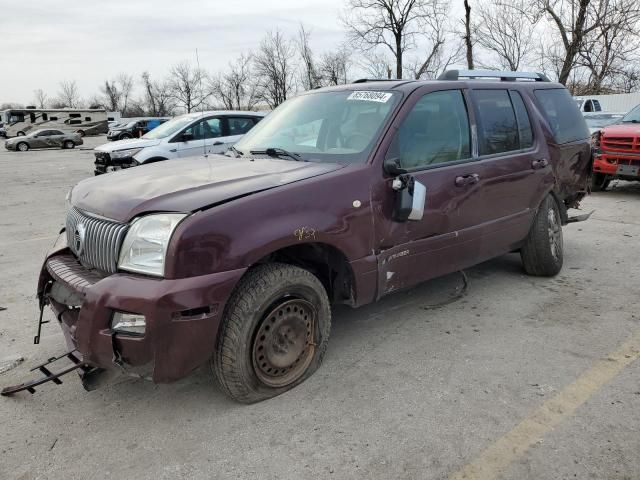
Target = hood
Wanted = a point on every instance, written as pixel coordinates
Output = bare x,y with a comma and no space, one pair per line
186,185
126,144
622,130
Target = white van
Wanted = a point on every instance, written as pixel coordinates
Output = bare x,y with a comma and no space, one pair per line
183,136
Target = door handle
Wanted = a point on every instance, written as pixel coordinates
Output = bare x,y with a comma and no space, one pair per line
537,164
218,143
173,150
464,180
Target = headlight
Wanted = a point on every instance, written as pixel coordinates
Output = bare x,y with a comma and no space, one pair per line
67,199
129,152
145,246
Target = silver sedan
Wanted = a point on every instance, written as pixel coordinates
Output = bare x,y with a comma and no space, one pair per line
44,139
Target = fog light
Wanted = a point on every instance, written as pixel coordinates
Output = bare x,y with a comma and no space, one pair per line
128,323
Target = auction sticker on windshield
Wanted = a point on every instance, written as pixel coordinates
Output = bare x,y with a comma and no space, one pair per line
368,96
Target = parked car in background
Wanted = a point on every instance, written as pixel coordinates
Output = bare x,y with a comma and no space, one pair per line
134,129
617,151
184,136
588,104
3,132
342,195
597,120
43,139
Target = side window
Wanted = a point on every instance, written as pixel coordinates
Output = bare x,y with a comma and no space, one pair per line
53,119
497,126
209,128
87,119
566,122
524,123
436,131
44,117
32,117
239,126
596,106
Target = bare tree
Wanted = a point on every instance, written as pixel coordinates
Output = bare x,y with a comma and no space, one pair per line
611,47
117,93
41,98
275,68
467,34
393,24
236,89
334,67
68,94
310,77
186,84
158,99
505,32
111,94
377,65
435,29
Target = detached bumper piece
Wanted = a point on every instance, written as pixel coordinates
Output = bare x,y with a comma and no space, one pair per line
86,372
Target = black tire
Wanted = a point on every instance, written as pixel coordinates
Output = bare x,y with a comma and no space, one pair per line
599,182
267,297
542,253
68,144
22,147
20,134
81,133
125,136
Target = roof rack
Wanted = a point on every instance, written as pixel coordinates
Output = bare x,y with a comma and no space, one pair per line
365,80
503,76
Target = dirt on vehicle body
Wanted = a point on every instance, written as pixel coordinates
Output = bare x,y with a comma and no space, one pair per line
341,195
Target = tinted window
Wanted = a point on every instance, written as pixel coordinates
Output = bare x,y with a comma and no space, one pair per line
596,106
435,131
55,132
53,119
565,120
524,124
497,126
240,126
87,119
44,117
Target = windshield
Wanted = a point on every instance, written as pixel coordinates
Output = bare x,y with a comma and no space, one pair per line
633,116
597,121
169,128
335,127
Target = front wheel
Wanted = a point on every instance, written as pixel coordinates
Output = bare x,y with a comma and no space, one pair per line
68,144
81,133
542,253
274,332
23,146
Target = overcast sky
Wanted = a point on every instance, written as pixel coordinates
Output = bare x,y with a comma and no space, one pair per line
89,41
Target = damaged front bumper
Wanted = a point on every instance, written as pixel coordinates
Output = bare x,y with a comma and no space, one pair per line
182,316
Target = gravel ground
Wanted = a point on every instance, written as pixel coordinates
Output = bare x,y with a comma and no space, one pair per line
409,389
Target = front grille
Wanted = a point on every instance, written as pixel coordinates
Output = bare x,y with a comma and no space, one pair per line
95,241
621,144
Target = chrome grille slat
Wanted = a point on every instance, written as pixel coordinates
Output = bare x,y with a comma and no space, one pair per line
102,241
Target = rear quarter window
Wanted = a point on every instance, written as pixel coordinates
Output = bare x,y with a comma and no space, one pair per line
565,120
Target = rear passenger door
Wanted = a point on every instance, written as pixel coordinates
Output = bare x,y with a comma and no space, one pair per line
513,166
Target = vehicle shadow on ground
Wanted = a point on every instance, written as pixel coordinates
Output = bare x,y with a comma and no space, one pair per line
357,330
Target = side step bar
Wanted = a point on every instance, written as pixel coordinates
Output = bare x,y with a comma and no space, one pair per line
49,376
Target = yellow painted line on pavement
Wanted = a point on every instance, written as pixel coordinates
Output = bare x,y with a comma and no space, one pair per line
496,458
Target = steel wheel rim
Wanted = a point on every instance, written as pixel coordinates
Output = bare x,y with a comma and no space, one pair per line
555,233
283,346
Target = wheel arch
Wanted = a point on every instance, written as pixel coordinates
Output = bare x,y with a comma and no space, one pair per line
329,264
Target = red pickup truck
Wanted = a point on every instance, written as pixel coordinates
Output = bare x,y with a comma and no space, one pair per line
341,195
617,151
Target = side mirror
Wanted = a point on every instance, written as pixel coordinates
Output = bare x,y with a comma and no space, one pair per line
410,199
392,166
186,137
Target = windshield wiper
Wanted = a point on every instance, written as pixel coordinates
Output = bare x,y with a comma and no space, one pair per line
236,151
279,152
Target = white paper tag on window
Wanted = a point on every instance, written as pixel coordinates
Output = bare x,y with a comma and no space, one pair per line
370,96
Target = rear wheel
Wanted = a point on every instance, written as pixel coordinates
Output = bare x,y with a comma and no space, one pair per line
68,144
542,253
274,333
20,134
23,146
599,182
81,133
125,136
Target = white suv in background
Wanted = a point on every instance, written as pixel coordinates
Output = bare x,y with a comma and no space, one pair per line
184,136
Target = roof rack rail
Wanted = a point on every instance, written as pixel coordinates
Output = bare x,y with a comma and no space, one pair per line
365,80
503,76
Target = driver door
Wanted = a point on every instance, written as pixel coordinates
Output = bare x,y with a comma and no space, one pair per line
202,137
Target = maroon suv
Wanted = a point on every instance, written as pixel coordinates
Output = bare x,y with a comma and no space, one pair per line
341,195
